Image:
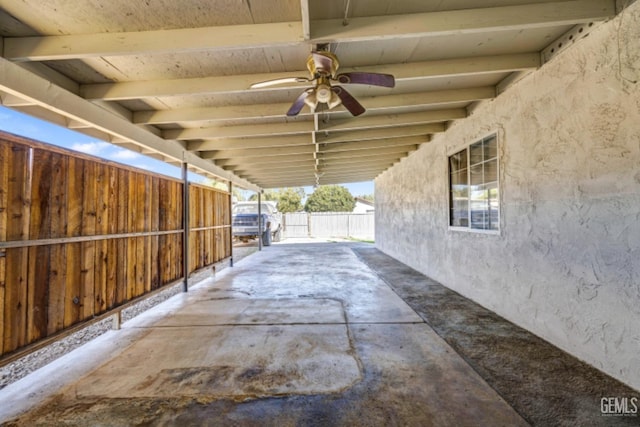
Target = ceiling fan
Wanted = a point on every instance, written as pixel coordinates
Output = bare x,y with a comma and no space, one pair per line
323,68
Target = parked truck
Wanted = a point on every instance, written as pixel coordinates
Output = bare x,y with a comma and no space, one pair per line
245,222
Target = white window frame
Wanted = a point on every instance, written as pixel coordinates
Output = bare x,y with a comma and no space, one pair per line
467,147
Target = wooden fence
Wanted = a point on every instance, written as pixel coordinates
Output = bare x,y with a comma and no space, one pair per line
80,236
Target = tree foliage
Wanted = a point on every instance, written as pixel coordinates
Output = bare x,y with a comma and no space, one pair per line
368,197
289,199
330,198
268,195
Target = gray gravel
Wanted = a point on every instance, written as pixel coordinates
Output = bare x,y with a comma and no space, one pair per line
22,367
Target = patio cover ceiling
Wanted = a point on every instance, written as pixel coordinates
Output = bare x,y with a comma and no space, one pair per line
171,78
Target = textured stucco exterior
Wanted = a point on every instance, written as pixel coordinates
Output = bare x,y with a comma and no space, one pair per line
566,264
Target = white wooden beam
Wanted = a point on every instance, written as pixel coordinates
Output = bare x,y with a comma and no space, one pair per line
213,114
383,133
374,144
250,161
258,152
369,121
235,143
465,21
303,165
233,84
17,81
462,21
221,132
367,153
379,103
78,46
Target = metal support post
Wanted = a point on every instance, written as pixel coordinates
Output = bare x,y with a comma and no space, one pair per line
185,224
231,219
259,221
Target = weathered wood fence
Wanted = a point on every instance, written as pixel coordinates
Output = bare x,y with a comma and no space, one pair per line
80,236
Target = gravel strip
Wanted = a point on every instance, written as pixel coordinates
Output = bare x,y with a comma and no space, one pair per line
22,367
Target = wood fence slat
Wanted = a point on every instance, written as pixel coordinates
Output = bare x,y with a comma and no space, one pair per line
57,255
88,249
140,222
39,262
113,225
73,279
155,226
101,248
5,165
16,270
148,185
16,298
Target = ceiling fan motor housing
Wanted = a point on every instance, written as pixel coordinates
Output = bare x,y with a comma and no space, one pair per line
318,66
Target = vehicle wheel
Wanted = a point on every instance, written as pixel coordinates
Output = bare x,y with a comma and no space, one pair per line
277,236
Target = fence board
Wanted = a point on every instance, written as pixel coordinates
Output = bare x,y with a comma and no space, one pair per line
39,262
16,270
73,279
101,248
88,249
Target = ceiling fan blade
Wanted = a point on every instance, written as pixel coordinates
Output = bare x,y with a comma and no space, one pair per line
374,79
297,105
284,80
322,61
349,102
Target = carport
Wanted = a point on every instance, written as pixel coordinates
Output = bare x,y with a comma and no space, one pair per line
529,105
279,339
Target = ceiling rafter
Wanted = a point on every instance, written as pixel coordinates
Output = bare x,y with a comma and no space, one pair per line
463,21
17,81
240,83
452,22
379,103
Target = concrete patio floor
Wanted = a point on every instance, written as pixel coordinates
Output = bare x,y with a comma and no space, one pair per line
298,334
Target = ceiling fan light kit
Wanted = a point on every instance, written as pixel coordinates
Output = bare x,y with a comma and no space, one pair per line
323,67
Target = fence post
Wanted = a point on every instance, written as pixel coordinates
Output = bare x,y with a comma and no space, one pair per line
185,222
259,221
231,219
309,224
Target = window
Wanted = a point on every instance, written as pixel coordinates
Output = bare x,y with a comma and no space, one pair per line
473,186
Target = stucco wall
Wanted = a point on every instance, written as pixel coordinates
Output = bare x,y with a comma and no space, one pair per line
566,264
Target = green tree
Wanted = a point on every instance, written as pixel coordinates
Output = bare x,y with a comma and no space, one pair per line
290,200
368,197
271,195
330,198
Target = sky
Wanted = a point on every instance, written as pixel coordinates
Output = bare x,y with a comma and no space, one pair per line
24,125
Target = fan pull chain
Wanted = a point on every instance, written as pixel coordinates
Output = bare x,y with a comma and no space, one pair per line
345,21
